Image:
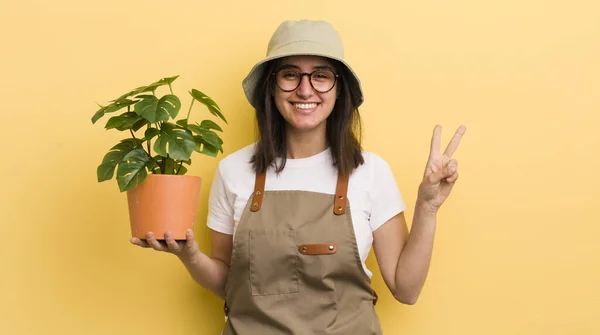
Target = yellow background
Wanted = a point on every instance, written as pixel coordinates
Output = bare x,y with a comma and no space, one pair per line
517,247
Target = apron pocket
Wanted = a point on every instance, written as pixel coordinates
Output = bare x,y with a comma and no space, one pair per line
273,262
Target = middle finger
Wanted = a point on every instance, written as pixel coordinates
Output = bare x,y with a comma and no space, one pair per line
154,243
455,141
171,243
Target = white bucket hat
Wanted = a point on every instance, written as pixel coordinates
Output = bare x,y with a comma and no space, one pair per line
304,37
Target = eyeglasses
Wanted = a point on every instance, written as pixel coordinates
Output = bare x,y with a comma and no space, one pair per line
289,79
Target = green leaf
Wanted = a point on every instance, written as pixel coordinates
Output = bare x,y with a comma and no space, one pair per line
182,170
207,136
132,170
212,138
208,125
150,133
136,91
115,106
144,96
180,142
212,106
148,88
182,122
125,121
148,109
167,80
139,124
152,164
106,170
170,104
195,129
99,113
170,166
206,149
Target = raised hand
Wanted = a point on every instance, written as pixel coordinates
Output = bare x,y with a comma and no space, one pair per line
182,249
441,171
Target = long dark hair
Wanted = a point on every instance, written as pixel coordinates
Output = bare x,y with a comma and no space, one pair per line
343,129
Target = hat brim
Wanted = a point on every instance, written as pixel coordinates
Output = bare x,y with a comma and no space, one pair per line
299,48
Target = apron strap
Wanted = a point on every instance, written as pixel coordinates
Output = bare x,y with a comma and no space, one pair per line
259,191
339,205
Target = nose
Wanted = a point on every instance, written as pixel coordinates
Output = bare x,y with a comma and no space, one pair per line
305,90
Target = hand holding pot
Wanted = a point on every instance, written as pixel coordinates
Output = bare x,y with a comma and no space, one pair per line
185,250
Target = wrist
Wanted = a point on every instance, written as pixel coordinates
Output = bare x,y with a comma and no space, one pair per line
424,207
188,258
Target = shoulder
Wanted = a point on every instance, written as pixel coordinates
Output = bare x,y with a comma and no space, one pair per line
372,173
238,159
373,159
237,165
373,164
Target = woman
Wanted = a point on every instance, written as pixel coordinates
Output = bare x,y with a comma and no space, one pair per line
293,217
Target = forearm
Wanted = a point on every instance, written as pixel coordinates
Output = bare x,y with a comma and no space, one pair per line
210,273
415,258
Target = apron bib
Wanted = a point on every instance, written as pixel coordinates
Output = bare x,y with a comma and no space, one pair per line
295,267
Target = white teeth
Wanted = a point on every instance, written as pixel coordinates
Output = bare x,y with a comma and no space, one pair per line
305,106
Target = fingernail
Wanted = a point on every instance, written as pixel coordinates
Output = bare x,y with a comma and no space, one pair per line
451,170
150,235
168,234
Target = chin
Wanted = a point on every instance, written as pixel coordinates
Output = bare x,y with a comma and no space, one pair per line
305,125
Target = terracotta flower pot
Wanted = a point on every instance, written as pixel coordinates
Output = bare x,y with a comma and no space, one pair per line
164,203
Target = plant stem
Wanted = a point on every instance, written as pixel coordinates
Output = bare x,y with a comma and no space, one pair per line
179,168
171,88
163,165
190,110
131,130
148,143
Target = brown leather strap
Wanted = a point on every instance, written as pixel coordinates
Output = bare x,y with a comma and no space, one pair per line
318,249
339,205
259,191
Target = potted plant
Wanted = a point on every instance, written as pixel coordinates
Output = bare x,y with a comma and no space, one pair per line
150,165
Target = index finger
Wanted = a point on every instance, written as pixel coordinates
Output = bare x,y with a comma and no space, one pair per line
436,139
139,242
455,141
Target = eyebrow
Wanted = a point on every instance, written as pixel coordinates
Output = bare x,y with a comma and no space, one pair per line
316,67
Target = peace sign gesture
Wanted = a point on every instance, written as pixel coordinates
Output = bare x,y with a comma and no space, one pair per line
441,171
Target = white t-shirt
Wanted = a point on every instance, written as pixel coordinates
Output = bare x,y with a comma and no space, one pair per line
372,191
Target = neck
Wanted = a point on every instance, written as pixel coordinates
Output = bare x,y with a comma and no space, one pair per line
305,144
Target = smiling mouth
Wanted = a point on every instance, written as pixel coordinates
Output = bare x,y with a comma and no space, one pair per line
306,106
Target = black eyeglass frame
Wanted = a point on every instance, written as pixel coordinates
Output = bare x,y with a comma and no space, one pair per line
302,74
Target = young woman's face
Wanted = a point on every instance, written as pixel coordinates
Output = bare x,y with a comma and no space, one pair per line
305,107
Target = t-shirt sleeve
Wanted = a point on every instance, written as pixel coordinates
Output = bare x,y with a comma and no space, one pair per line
220,205
386,199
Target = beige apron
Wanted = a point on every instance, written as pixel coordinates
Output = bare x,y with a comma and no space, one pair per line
295,267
